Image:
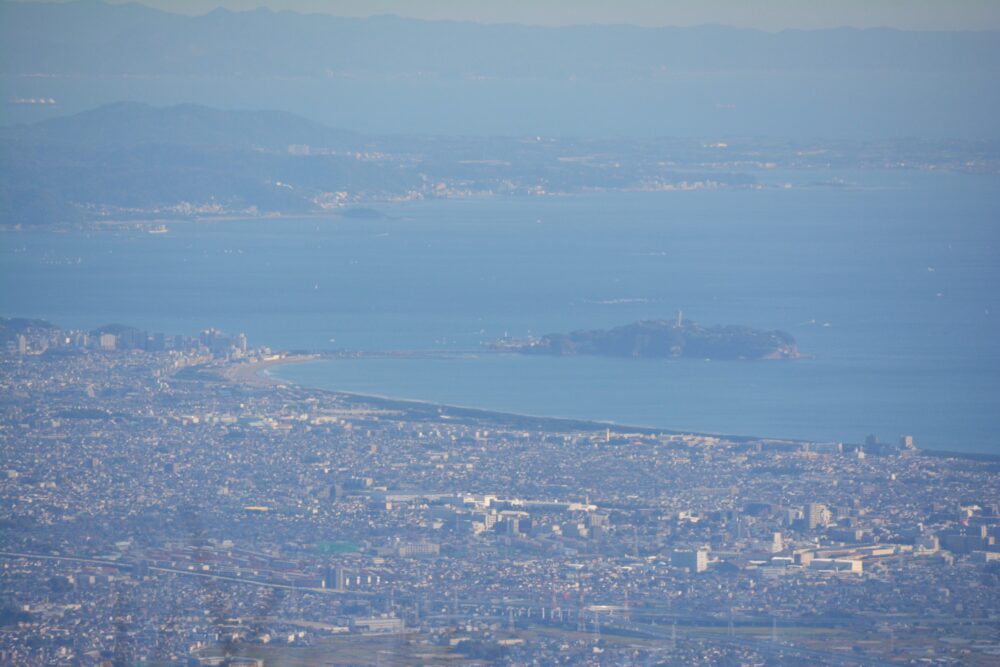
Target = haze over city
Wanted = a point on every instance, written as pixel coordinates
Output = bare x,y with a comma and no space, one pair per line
465,333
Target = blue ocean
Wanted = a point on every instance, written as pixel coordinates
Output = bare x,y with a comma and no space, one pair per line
890,282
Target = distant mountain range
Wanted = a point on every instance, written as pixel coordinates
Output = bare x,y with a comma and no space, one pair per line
393,75
97,38
127,125
131,160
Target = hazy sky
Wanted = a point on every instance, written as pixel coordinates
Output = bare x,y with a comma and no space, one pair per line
761,14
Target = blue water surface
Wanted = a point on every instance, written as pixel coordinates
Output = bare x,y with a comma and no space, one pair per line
890,284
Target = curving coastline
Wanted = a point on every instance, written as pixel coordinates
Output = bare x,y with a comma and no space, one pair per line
424,410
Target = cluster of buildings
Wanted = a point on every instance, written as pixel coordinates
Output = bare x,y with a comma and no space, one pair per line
161,516
115,337
40,337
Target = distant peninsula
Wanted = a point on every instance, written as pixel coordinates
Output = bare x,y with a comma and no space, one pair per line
656,339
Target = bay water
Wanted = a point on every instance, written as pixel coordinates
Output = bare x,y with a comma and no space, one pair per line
890,282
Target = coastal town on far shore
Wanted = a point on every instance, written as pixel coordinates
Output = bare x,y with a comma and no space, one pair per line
167,504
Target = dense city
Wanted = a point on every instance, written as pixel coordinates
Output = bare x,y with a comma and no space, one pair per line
167,504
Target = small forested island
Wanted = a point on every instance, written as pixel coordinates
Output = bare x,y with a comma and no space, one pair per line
656,339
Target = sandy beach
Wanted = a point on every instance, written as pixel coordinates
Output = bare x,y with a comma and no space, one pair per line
246,373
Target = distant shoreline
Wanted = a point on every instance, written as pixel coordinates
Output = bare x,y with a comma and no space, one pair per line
144,223
256,375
